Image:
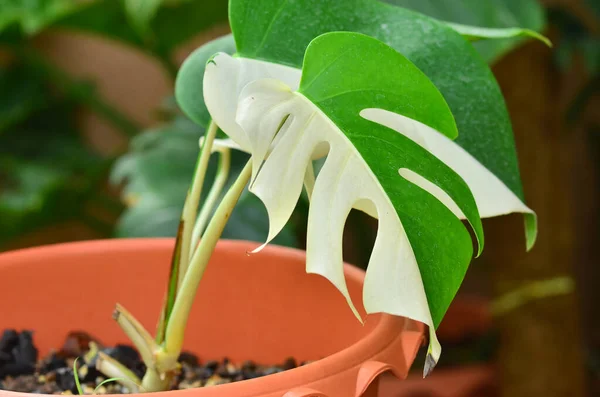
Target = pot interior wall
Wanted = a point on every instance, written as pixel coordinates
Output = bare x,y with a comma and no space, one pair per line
262,306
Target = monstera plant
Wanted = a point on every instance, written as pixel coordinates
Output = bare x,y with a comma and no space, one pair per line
413,131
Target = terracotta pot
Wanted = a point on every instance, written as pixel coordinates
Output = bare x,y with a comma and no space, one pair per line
262,307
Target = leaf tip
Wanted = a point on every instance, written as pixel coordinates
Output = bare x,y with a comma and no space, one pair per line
538,36
211,60
531,230
430,364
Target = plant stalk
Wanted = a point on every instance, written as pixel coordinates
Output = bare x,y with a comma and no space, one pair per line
213,195
153,381
190,208
185,296
138,335
114,369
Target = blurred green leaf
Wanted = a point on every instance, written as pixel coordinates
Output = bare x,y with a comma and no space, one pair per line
527,14
20,95
156,174
173,25
171,22
34,15
105,18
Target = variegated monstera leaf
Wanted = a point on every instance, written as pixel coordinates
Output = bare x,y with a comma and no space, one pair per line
388,124
351,86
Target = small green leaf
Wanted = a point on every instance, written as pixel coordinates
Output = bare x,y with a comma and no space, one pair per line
105,381
76,376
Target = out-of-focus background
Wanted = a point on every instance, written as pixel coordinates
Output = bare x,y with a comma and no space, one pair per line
92,145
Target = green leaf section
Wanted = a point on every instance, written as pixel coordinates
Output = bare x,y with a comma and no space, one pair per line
345,73
523,14
190,79
279,31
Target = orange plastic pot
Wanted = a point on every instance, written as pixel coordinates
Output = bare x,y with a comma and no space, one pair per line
262,307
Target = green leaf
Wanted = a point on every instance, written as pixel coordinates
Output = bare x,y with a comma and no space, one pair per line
499,14
76,376
105,381
345,76
189,83
271,37
157,173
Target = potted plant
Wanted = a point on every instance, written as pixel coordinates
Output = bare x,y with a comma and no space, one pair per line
381,93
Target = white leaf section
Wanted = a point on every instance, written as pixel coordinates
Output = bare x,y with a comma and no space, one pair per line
283,130
221,99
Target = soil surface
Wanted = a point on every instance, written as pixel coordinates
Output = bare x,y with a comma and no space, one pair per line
22,370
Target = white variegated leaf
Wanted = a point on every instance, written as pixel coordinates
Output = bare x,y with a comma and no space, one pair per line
284,131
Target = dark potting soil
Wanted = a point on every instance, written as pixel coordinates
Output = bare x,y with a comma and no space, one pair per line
22,370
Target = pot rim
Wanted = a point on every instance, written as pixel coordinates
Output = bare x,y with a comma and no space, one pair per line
386,332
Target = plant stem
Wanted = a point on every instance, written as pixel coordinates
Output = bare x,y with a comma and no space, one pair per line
138,335
114,369
213,196
190,208
154,382
185,297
